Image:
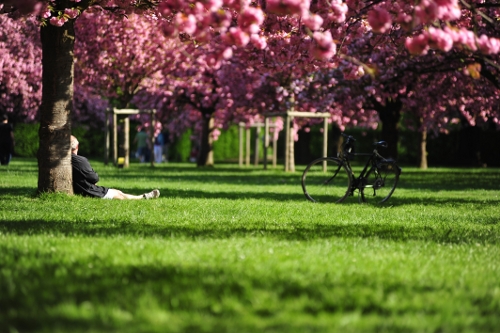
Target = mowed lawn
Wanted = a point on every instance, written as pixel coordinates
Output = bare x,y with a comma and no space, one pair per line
230,249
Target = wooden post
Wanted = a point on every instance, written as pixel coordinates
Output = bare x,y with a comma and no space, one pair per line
275,149
106,139
126,144
291,146
325,141
257,145
247,143
115,139
240,139
266,140
152,137
287,143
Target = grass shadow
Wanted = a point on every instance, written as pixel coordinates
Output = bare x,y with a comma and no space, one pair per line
292,231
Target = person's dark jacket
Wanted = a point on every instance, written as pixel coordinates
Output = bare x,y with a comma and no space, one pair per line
85,178
6,142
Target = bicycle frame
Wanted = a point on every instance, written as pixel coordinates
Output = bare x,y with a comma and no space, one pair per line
359,182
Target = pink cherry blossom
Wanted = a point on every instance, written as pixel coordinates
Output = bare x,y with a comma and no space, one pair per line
72,13
288,7
324,47
339,11
237,37
58,21
313,21
488,45
418,45
439,39
379,19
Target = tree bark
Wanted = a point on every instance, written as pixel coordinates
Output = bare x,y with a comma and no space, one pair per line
54,155
423,149
389,115
206,154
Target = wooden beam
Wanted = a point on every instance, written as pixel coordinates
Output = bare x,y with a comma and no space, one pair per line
300,114
127,111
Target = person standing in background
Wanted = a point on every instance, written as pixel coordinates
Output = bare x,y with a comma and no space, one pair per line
6,140
158,147
141,140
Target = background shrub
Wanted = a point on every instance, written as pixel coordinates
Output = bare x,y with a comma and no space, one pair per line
26,136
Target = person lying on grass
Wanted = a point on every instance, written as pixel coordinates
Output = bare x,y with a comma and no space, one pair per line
85,180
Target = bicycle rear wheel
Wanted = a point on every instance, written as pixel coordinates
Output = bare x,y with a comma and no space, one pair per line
326,179
380,182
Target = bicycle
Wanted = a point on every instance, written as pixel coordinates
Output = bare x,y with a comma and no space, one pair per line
331,179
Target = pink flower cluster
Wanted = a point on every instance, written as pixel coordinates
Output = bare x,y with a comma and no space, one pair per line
445,39
289,7
338,11
203,18
58,18
429,10
324,48
379,19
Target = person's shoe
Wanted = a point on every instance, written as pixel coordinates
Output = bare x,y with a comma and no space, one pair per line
152,195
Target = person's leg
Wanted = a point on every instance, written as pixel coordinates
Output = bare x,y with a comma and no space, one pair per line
165,152
158,153
119,195
141,154
4,158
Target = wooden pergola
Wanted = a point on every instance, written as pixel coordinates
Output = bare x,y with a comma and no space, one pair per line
289,151
242,127
126,142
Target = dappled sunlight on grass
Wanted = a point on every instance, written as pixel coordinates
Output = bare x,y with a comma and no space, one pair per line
226,249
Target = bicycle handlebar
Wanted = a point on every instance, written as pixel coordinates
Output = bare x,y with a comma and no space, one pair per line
349,137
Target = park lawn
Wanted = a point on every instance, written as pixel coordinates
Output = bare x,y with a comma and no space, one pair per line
230,249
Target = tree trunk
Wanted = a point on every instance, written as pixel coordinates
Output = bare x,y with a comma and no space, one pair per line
54,155
206,155
389,114
423,149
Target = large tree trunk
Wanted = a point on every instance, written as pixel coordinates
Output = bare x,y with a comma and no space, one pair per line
206,155
389,114
54,155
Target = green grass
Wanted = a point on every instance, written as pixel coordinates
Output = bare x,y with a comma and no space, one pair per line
241,250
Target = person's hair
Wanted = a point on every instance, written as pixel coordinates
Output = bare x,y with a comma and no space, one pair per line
74,143
4,117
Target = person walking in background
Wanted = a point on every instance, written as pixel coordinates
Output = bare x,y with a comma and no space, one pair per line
158,147
6,140
85,180
141,140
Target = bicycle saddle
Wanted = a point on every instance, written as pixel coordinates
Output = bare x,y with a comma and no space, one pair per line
382,144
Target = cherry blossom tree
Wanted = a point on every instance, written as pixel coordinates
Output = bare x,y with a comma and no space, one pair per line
117,56
392,65
20,70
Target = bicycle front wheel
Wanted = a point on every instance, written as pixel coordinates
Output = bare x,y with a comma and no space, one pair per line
326,180
380,182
